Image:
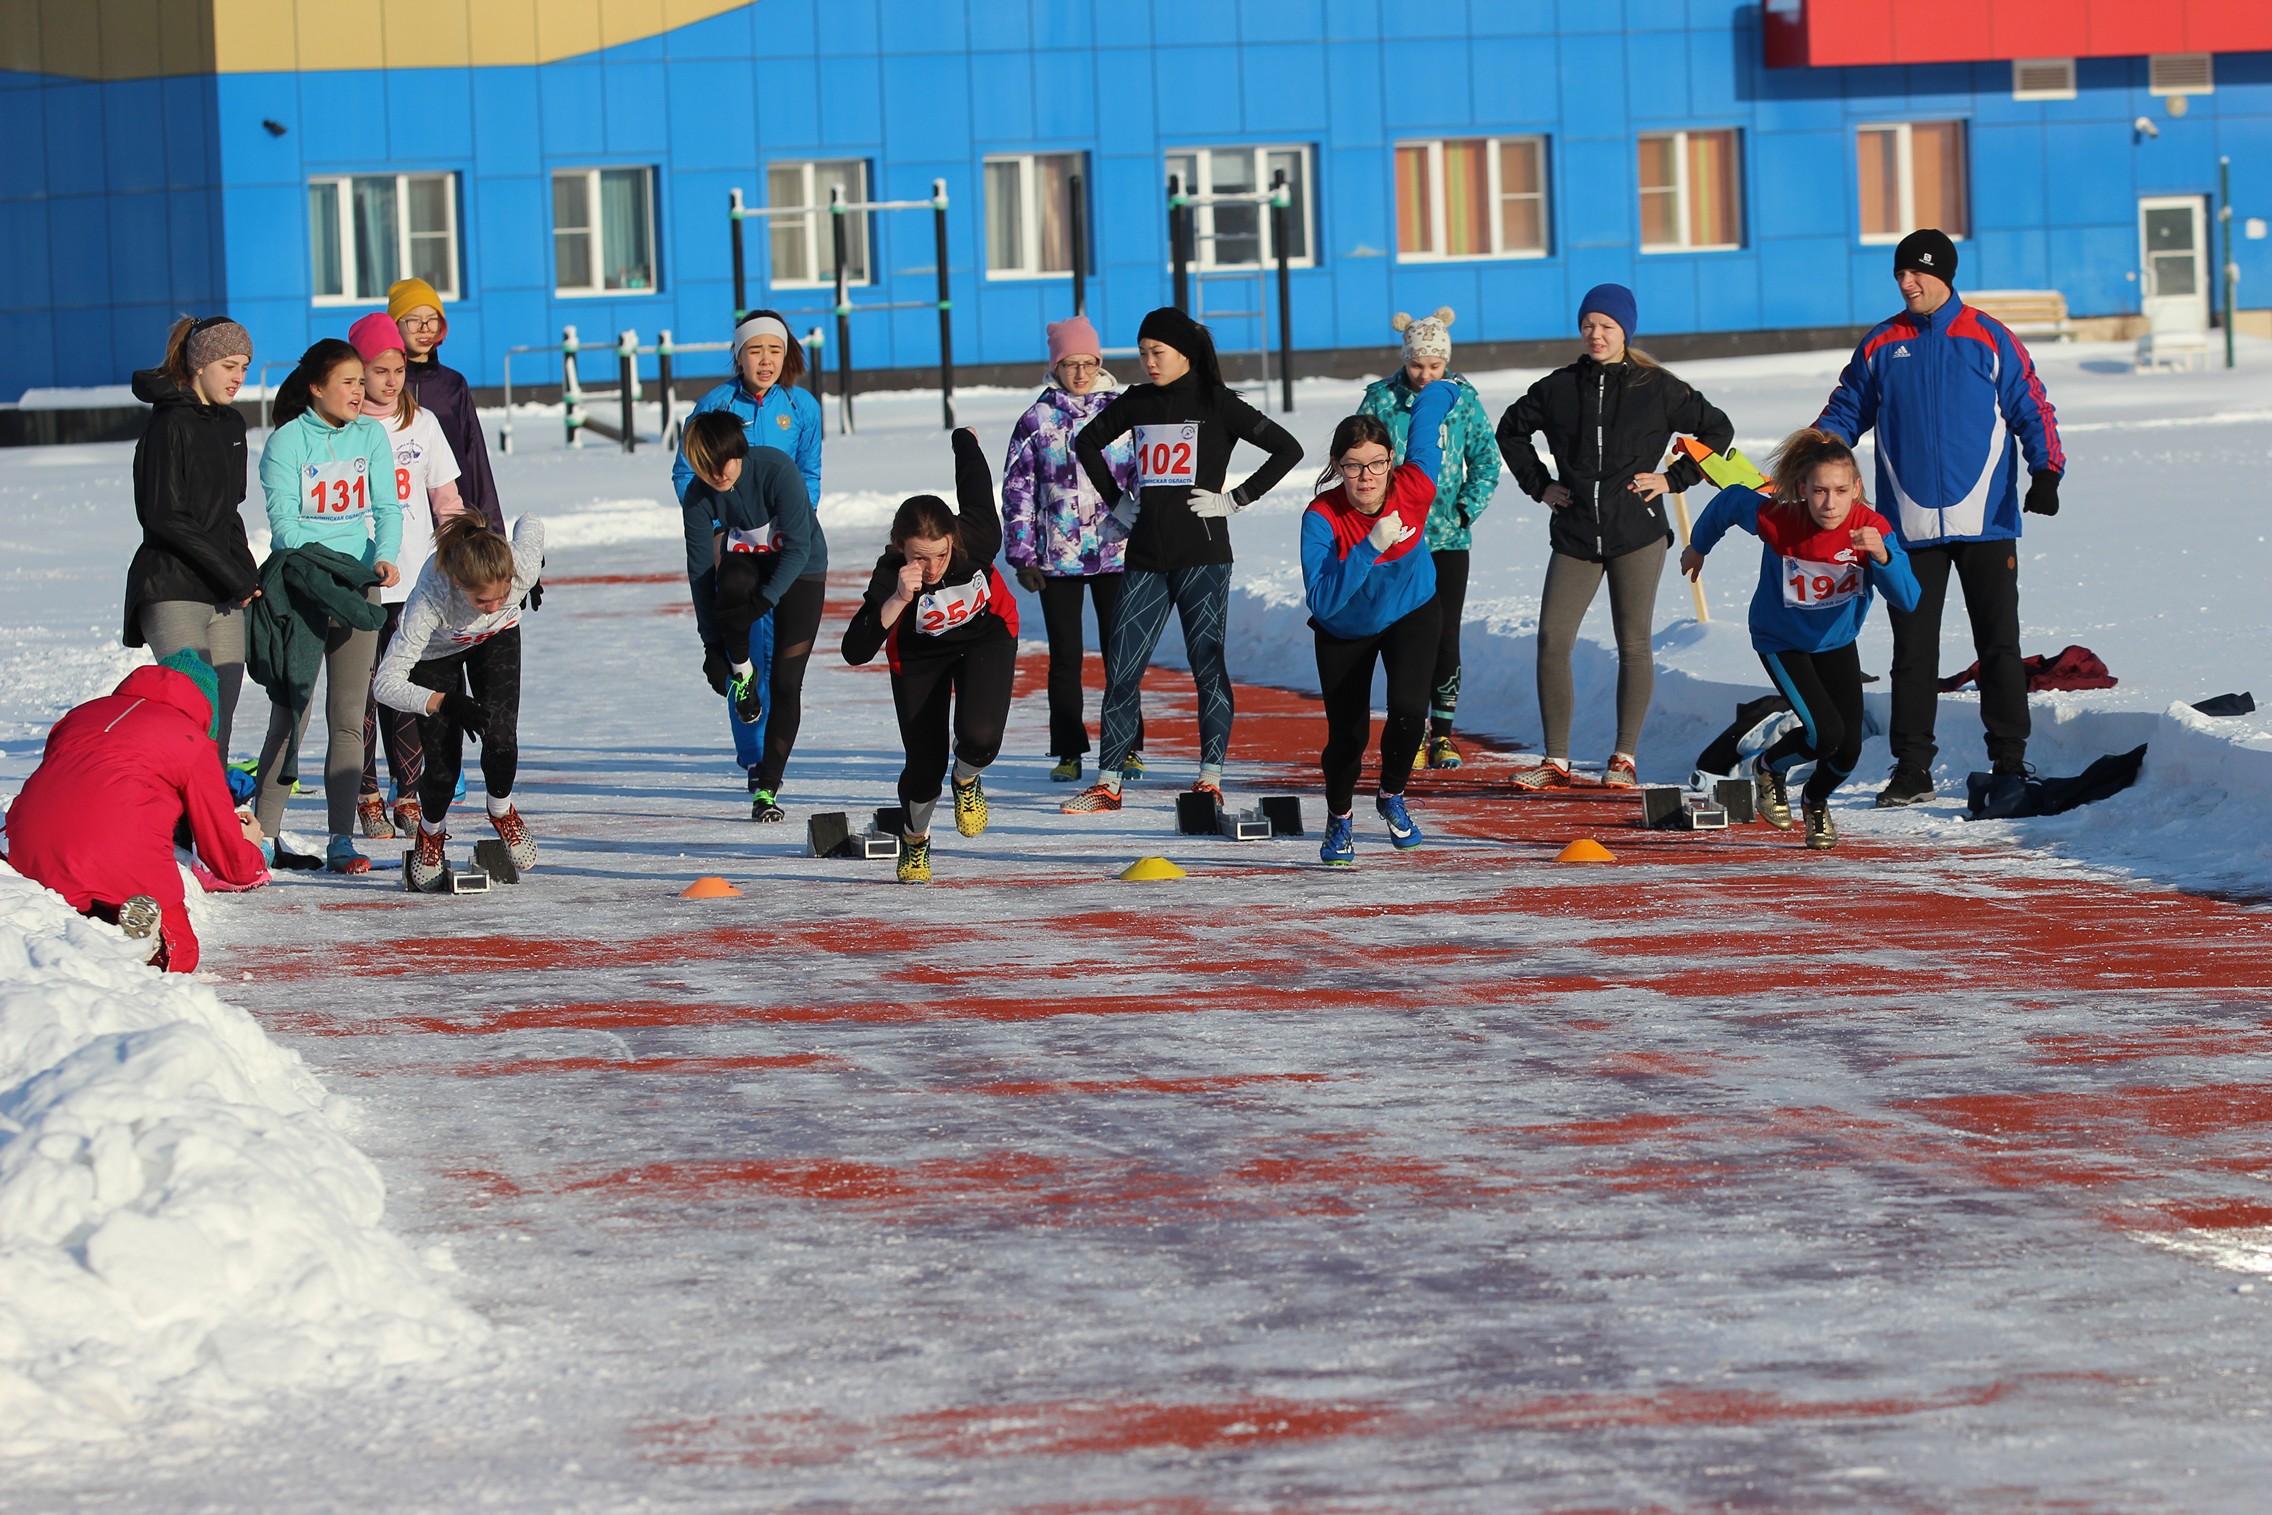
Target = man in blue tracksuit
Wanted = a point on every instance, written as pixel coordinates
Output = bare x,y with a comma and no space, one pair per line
1955,400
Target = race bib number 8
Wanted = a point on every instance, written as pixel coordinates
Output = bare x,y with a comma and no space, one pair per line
949,606
1810,585
335,491
1167,454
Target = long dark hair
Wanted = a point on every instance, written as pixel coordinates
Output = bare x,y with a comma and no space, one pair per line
925,515
314,371
1355,431
792,362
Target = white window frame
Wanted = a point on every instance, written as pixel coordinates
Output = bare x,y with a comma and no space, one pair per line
1681,190
2160,86
1439,222
1029,222
1905,178
2020,66
598,234
1258,156
344,208
812,224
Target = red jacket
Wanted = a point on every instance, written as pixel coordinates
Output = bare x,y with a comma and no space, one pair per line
96,820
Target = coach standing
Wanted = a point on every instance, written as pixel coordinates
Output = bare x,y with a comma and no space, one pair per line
1955,400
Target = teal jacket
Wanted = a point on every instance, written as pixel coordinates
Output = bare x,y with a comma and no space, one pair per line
287,476
1471,455
303,591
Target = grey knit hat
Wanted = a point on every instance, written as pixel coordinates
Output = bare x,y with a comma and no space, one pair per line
215,338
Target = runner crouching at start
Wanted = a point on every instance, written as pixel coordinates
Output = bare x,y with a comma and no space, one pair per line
461,630
947,623
1822,553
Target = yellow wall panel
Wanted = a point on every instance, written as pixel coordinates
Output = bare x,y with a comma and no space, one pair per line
428,33
185,37
565,28
337,35
630,20
130,39
71,38
503,32
254,36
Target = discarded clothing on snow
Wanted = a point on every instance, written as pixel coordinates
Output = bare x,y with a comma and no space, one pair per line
2071,667
2242,703
2007,796
1758,725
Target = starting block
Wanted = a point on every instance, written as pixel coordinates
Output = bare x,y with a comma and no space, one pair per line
1738,799
830,834
471,881
1276,815
496,860
1666,807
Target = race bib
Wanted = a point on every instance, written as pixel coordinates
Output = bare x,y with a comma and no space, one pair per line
335,491
468,637
1809,585
949,606
1167,454
754,539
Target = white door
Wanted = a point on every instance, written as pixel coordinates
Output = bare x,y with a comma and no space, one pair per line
2174,254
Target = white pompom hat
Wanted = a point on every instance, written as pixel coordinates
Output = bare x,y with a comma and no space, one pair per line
1428,337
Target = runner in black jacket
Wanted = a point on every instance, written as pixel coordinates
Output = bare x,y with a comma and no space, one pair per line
413,306
941,614
1179,541
1608,419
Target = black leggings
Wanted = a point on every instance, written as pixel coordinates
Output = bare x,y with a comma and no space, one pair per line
1345,675
492,669
978,679
406,758
1061,614
796,621
1825,691
1451,604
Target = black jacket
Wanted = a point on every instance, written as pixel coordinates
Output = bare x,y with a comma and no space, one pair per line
442,390
1167,535
981,532
1604,423
189,479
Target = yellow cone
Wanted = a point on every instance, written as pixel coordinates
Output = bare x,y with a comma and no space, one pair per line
1147,868
1585,850
710,888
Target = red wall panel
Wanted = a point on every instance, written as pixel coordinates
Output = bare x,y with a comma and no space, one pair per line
1831,33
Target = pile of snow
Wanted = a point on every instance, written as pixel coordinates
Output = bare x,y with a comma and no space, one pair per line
180,1218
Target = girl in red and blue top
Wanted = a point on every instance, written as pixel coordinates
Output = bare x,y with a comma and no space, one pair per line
948,625
1823,554
1371,588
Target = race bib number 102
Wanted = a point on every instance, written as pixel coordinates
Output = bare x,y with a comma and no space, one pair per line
1167,454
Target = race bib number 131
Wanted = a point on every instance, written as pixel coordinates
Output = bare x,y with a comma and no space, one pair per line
335,491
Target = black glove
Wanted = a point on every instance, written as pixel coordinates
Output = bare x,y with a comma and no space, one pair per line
716,669
464,712
1031,580
536,595
2043,495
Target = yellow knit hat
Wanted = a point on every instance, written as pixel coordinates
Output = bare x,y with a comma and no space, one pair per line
406,295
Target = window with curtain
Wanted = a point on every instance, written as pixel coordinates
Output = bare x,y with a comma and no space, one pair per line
1691,191
603,231
1471,197
1029,228
1237,233
804,246
1910,174
365,231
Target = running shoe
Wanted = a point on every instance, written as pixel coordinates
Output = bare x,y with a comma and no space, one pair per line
748,703
371,809
1545,775
1908,786
514,833
1822,831
1091,800
970,806
762,807
1441,753
406,814
1132,767
1402,832
1067,771
1204,787
1339,847
1619,774
424,864
140,918
1769,796
341,857
915,860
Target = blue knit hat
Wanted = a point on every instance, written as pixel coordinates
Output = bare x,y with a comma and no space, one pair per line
208,682
1614,301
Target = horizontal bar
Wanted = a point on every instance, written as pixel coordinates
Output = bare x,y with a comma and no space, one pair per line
852,205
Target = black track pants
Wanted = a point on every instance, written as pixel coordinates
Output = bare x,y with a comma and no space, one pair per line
1451,607
796,621
491,672
1061,614
1345,675
950,707
1825,691
1990,575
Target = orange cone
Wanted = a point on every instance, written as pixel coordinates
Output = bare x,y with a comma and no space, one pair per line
711,888
1585,850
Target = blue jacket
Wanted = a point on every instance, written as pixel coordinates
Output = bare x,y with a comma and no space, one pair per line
1799,563
788,420
1954,398
1355,591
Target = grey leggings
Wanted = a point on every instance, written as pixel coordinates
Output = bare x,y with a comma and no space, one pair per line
347,658
214,634
1570,587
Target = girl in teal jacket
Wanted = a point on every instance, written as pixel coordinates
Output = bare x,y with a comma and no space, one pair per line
329,477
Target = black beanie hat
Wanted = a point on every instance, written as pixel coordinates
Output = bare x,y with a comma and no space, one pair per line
1170,325
1929,251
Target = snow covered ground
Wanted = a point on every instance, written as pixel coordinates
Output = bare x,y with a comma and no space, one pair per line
809,1200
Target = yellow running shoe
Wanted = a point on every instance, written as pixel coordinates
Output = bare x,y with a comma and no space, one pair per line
970,807
915,860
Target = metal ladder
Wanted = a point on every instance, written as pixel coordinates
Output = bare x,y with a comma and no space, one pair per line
1202,313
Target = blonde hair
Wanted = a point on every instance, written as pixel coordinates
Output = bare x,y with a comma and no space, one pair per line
472,552
1796,459
711,441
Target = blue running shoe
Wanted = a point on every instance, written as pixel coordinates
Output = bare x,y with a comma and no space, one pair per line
1402,833
1338,847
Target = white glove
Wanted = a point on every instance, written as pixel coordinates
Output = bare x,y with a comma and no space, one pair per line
1125,511
1390,530
1210,505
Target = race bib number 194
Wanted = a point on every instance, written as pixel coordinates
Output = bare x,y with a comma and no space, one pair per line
1167,454
1810,585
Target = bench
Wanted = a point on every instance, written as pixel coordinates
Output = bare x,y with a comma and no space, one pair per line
2028,312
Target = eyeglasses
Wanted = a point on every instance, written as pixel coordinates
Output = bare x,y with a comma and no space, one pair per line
1372,470
1077,366
421,323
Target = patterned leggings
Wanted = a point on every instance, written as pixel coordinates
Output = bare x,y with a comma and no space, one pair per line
1201,598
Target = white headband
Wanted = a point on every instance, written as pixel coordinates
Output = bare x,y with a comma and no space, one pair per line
759,326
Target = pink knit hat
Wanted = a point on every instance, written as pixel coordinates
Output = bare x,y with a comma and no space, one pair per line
1072,336
374,334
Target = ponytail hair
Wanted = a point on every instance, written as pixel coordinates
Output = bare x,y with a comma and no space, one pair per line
176,364
1354,431
924,515
315,369
472,552
1794,463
